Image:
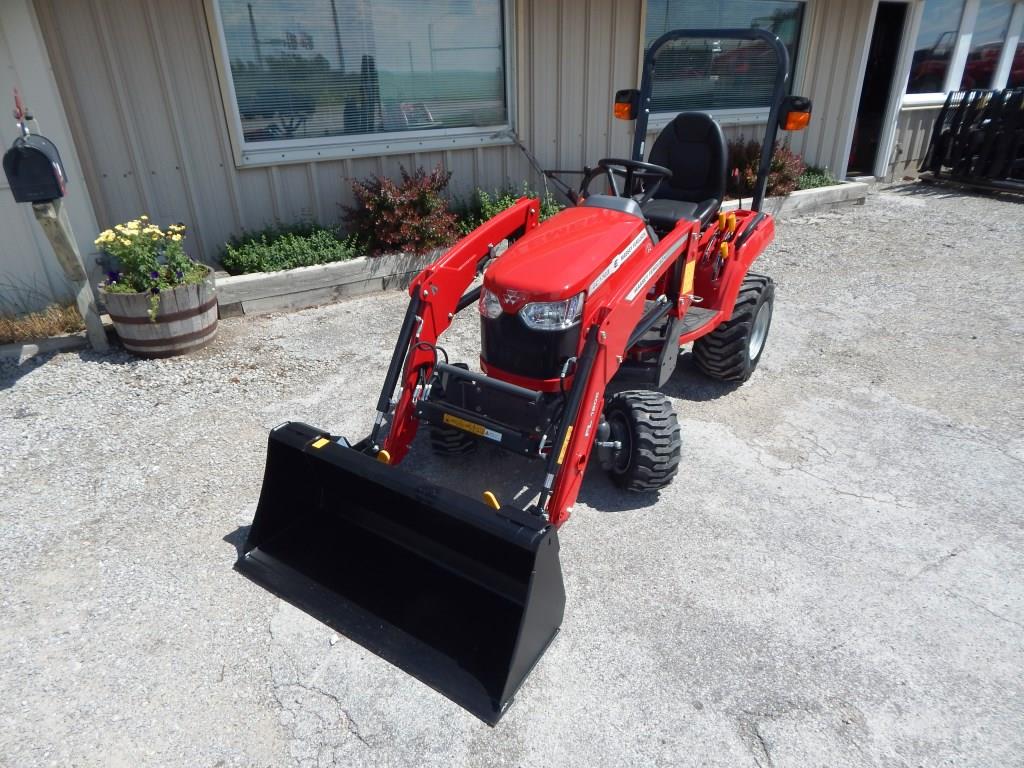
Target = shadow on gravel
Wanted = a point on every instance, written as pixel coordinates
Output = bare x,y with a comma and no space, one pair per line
688,383
237,538
11,370
947,190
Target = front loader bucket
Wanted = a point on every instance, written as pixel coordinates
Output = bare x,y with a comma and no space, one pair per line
464,597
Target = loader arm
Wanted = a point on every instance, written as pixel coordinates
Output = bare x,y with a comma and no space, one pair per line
608,335
437,294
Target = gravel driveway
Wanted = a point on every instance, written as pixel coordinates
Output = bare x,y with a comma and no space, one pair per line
836,578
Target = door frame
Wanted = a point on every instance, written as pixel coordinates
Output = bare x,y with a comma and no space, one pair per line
901,76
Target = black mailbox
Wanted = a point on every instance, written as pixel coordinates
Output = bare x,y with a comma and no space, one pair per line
34,170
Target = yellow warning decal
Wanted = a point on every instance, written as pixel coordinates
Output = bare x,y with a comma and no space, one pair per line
321,442
466,426
565,445
691,266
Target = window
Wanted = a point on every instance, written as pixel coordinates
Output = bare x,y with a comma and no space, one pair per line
710,74
966,44
936,41
987,43
358,74
1016,79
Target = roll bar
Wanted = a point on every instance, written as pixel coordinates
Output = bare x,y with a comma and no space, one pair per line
779,92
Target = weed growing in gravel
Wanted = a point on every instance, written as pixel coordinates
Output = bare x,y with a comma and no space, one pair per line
55,320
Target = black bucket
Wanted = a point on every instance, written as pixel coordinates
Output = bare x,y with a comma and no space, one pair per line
464,597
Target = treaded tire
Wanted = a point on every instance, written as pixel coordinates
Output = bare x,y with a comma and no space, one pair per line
450,441
725,353
649,431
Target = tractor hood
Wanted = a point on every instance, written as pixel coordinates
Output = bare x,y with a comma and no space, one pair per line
576,250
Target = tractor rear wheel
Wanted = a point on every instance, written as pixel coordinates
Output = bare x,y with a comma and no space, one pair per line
647,429
732,351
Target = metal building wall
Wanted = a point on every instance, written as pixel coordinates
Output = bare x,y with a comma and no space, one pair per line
141,93
140,89
913,131
30,277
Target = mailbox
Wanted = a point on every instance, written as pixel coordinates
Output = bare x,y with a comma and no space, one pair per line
34,170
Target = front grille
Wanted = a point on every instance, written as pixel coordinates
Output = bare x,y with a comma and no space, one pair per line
507,343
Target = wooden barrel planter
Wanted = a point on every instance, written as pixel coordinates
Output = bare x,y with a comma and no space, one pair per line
185,321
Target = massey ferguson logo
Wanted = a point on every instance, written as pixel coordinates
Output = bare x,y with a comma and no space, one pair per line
511,298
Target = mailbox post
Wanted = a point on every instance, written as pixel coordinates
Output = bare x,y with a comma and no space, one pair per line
36,175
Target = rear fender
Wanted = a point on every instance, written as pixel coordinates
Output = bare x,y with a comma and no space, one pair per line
721,295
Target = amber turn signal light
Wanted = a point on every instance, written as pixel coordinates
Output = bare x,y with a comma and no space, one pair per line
795,113
796,121
626,103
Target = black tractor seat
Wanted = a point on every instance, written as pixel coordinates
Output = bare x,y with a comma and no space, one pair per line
693,147
664,213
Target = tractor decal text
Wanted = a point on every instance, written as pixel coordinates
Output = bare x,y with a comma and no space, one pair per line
593,411
617,262
649,274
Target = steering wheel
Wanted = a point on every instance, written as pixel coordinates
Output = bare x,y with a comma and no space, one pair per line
634,172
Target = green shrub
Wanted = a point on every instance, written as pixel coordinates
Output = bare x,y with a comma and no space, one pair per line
408,217
814,177
280,248
744,157
485,205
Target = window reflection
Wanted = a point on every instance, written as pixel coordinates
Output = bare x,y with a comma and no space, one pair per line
987,43
307,69
934,47
719,74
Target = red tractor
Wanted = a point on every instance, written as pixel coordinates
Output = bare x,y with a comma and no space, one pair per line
463,592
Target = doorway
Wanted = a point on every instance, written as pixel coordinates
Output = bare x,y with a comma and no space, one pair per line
877,89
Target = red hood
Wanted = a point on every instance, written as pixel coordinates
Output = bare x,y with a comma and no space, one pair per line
567,254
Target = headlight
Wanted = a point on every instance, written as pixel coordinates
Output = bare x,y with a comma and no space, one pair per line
489,304
553,315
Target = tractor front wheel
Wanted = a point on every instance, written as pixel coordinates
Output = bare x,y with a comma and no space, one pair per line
647,431
732,351
449,441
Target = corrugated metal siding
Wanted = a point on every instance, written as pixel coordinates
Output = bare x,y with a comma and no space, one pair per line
30,277
140,86
835,61
913,131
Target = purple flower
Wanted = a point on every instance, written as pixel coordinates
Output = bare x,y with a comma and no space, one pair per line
155,291
154,274
180,274
112,276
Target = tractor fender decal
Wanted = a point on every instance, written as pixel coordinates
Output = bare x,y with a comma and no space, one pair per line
649,274
617,262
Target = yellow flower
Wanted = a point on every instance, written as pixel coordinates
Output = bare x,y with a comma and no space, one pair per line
176,238
125,241
144,217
